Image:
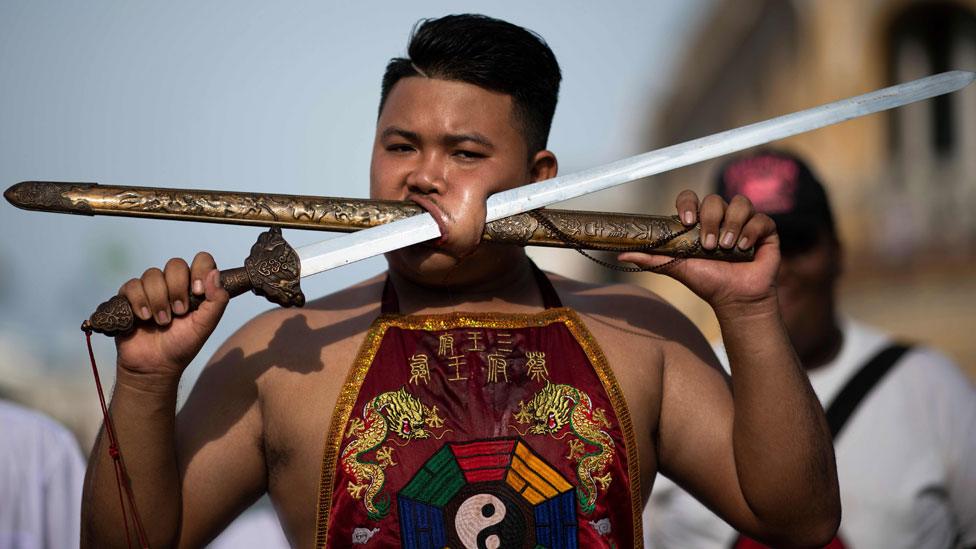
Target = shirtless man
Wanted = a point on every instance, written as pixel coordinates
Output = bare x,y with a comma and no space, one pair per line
466,116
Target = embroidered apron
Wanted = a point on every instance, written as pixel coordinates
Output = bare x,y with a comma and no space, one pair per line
480,430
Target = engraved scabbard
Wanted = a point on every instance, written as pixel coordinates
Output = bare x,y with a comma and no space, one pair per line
558,228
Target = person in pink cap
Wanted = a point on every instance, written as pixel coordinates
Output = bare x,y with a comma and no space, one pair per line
903,417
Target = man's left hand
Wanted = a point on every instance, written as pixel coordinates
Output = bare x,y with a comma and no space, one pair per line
723,225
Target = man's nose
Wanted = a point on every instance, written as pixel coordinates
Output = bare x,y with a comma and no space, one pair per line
427,177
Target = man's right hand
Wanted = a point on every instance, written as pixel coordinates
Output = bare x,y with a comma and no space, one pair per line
169,334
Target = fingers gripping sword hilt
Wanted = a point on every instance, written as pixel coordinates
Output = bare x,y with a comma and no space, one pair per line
273,270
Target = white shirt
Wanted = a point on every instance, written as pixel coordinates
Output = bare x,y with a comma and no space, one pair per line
906,459
256,528
41,475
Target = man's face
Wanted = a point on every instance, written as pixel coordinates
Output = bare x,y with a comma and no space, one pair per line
805,289
446,146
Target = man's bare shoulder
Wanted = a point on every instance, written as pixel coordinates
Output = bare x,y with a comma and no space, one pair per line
297,336
633,316
358,300
623,305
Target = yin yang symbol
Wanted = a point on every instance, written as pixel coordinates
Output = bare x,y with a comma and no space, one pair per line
491,519
474,521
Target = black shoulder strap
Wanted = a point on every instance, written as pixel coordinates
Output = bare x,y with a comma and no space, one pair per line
842,407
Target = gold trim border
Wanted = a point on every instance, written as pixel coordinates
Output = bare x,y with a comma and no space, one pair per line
367,352
340,417
621,410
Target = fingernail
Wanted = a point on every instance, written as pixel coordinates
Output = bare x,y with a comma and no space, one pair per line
162,317
178,307
198,287
144,313
727,239
744,243
689,217
709,241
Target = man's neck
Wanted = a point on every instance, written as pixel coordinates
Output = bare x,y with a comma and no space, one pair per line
511,289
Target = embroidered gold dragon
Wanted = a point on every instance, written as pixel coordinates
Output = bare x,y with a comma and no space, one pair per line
562,409
394,412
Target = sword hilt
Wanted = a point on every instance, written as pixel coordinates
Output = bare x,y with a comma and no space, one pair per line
272,270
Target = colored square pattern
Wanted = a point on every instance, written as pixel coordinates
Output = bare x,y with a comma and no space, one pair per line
423,503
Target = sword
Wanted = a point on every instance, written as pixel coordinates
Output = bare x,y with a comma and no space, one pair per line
328,254
275,271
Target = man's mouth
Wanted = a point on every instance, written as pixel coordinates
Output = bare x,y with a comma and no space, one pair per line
440,217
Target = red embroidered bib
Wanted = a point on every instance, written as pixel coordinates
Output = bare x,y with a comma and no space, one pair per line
480,430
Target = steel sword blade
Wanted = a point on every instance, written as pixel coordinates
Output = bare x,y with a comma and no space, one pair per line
335,252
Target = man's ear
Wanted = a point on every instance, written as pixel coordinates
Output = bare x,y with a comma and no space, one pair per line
542,166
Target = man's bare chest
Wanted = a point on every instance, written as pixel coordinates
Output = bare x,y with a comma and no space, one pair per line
298,415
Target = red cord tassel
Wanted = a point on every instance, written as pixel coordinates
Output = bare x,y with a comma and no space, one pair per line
121,476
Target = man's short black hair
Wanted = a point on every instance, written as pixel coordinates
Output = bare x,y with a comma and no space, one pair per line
489,53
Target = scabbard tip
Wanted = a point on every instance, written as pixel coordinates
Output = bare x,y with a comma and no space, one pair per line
13,193
48,196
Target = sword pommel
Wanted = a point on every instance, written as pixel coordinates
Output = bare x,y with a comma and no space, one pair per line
51,196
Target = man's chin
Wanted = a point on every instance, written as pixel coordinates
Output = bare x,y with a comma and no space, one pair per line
422,263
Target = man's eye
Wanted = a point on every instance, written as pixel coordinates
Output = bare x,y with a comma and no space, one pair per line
468,155
399,147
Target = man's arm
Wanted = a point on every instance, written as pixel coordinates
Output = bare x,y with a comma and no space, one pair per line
150,363
220,434
762,459
143,411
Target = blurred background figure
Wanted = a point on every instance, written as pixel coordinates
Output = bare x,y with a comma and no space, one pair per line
902,183
256,528
41,475
903,416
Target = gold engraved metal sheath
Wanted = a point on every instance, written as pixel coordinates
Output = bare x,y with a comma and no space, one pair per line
565,228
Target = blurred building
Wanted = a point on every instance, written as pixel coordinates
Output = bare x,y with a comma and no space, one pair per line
903,183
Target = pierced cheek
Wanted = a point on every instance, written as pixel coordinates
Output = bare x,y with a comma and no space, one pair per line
472,226
467,226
